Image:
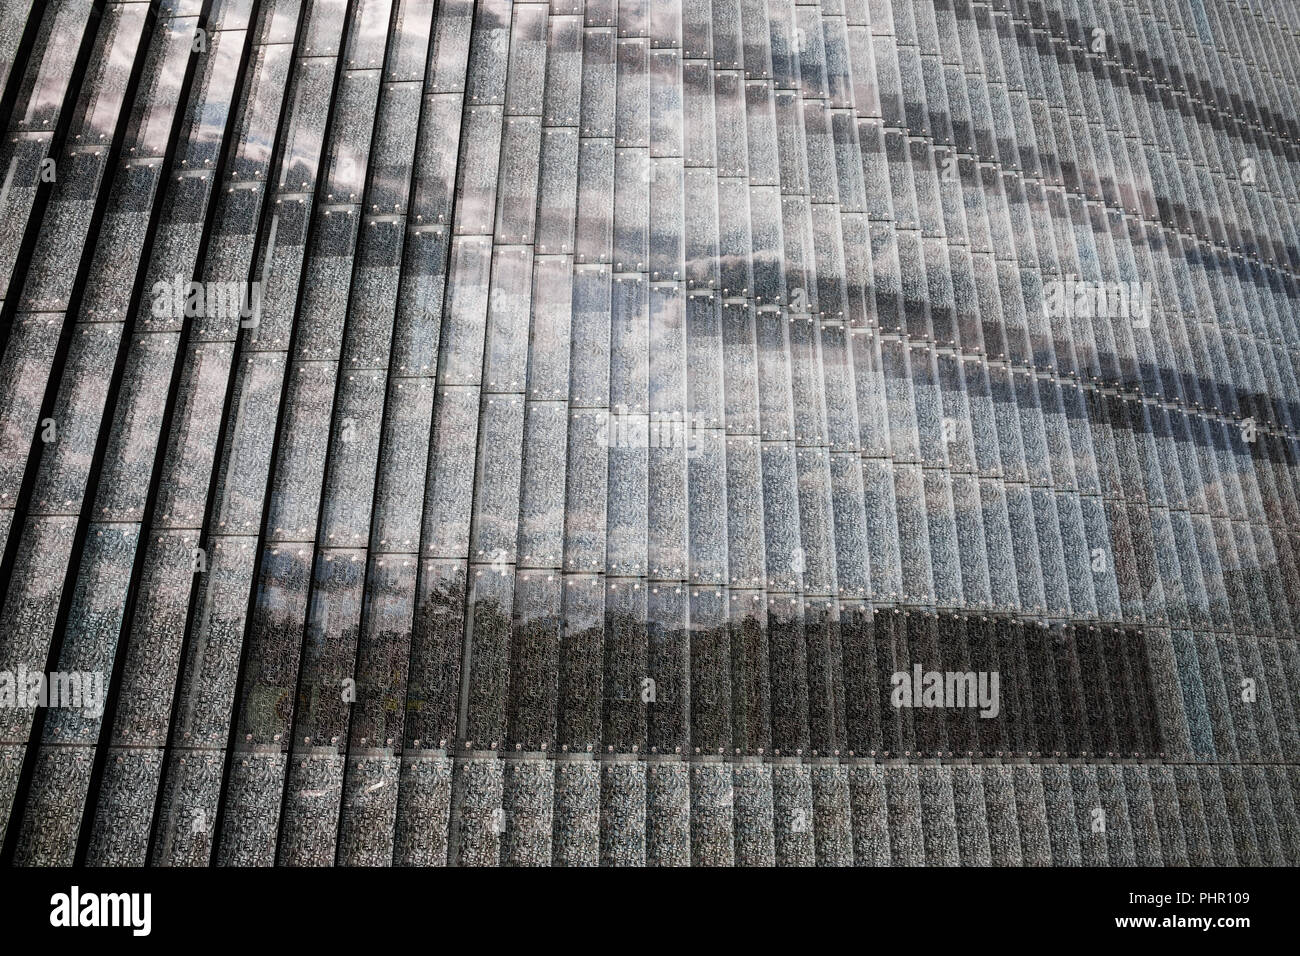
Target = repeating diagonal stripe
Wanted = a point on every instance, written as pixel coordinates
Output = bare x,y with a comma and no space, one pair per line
516,432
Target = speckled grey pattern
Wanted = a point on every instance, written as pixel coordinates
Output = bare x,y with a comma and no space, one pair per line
385,519
906,841
753,812
832,817
477,815
1191,806
49,836
1236,802
528,800
1004,824
370,796
423,810
622,813
1284,809
793,817
1090,822
1031,815
577,840
253,797
668,813
309,831
1217,821
1142,817
11,765
713,803
1170,821
186,832
124,815
870,813
1262,823
1058,797
1114,802
971,815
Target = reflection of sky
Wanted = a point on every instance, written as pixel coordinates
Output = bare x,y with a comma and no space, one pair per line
753,499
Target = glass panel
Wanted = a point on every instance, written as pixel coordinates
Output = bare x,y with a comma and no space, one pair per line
349,486
564,54
496,495
527,64
542,486
516,198
745,547
945,558
666,103
882,528
632,114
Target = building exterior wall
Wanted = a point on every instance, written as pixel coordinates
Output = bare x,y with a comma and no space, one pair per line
537,433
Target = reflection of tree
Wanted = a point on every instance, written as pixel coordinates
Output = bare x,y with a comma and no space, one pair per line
433,688
789,681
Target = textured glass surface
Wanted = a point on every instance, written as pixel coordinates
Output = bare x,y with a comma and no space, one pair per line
636,389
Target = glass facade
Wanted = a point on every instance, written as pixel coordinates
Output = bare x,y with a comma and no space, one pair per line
650,432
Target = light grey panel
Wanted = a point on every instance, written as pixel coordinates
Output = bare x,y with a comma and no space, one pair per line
707,496
704,358
780,515
697,32
812,52
595,199
676,439
584,513
495,522
632,107
480,156
741,368
450,484
882,529
590,358
489,54
744,512
727,40
698,124
527,63
819,148
807,389
816,521
735,255
729,124
701,229
667,220
349,485
665,27
633,173
465,322
557,190
598,82
896,369
784,44
436,157
869,380
839,74
789,136
828,244
542,485
757,35
764,162
852,549
666,108
776,413
564,53
517,190
629,340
